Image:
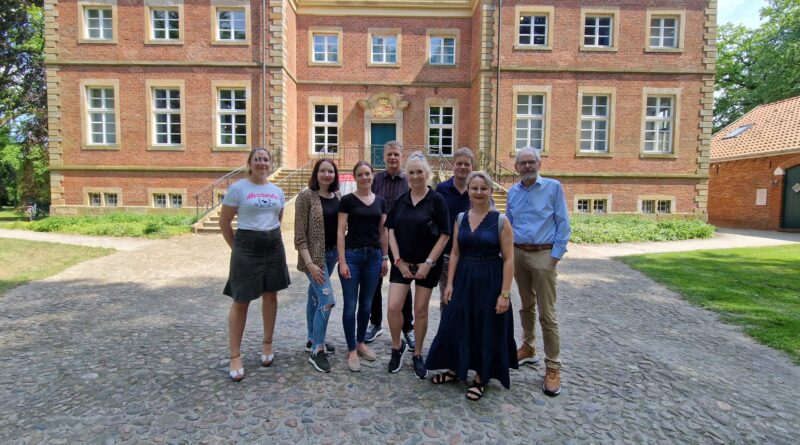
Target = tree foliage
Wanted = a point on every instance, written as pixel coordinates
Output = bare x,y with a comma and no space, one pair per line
758,66
23,101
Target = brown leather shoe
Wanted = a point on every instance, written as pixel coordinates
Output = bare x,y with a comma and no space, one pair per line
526,354
552,382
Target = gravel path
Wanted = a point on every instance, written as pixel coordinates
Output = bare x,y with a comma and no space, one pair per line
132,347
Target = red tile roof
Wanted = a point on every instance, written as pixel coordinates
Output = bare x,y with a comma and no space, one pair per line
775,129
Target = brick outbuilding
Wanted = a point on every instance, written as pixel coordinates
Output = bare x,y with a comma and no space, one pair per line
755,170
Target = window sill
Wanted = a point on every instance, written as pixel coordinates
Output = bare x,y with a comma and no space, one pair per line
166,148
230,43
599,49
164,42
111,147
658,156
517,46
98,41
325,64
586,154
663,50
441,65
235,148
382,65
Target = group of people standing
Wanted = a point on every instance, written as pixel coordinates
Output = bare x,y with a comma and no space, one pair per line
395,224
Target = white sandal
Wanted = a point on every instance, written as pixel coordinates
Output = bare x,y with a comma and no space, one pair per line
238,374
266,360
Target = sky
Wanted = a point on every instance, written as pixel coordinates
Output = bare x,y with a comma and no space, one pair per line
744,12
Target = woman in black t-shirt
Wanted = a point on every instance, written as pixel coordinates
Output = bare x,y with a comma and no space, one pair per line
419,228
362,259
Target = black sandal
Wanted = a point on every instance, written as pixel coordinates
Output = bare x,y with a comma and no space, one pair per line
475,391
445,377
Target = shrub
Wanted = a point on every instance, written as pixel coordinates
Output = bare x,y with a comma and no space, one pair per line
595,229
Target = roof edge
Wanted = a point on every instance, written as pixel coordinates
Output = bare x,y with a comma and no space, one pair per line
756,155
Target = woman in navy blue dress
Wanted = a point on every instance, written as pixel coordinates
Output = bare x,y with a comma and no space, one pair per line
476,331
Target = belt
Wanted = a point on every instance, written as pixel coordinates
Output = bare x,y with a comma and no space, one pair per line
533,247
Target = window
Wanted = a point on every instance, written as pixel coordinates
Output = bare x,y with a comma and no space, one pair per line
592,204
326,48
110,199
443,51
594,123
384,50
530,121
167,116
160,200
738,131
232,116
440,130
533,30
101,112
95,200
326,129
654,205
658,124
99,23
665,30
597,31
175,200
164,24
534,27
232,24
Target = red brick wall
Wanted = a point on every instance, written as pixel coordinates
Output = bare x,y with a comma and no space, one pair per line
624,192
732,192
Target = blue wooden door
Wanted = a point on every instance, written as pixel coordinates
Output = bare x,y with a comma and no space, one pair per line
381,134
791,199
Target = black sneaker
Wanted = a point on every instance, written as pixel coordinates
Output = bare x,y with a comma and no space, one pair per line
397,357
329,348
372,333
411,339
320,361
419,367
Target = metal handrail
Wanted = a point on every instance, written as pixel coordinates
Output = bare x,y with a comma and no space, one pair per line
503,176
207,199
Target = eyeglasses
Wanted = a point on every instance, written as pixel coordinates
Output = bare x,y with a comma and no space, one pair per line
527,163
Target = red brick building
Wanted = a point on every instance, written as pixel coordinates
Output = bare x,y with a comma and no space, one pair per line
151,100
755,169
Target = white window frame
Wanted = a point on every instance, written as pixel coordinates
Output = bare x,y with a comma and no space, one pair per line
610,93
237,6
219,113
172,115
167,194
384,33
679,16
103,195
671,150
152,120
329,128
110,115
444,35
594,119
83,21
173,197
327,33
544,117
592,200
657,202
441,149
153,6
534,11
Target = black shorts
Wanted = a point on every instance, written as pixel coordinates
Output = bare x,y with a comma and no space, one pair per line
431,281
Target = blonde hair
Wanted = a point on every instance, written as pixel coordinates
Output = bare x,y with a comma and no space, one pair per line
418,156
489,183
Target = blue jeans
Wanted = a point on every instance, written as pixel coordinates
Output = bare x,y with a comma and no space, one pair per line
320,296
365,270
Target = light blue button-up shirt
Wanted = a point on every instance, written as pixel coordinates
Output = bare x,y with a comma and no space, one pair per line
539,214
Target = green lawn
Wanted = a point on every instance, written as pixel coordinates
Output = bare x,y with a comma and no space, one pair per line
757,288
112,224
25,261
7,214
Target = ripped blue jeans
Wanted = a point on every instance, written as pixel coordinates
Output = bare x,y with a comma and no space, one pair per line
320,296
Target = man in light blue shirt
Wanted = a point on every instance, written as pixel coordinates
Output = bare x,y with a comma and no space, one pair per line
537,211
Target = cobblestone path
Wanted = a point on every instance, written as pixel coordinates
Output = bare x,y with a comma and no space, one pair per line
132,348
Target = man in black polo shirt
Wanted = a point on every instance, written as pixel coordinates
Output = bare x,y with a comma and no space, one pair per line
390,184
454,192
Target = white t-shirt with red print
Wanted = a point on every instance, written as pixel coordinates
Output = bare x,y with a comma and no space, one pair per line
259,205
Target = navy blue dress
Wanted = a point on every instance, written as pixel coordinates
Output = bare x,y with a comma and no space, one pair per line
471,335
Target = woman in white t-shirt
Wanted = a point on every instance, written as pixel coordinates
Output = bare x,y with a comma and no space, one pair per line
258,261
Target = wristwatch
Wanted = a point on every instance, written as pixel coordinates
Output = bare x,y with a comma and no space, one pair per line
430,262
385,257
506,294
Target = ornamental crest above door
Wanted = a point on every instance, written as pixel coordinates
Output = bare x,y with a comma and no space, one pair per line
383,106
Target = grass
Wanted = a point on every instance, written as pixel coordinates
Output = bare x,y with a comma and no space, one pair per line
756,288
7,214
112,224
628,228
24,261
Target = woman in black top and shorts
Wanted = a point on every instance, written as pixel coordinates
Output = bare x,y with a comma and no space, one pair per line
419,228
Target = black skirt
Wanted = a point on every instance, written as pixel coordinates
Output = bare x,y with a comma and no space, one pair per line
258,265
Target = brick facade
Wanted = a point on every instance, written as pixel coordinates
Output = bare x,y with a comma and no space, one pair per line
483,97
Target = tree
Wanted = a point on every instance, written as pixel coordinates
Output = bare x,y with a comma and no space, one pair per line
23,96
758,66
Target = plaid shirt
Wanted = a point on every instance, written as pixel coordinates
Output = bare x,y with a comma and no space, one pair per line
389,187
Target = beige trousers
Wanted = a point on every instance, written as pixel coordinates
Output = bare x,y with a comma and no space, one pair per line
535,274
